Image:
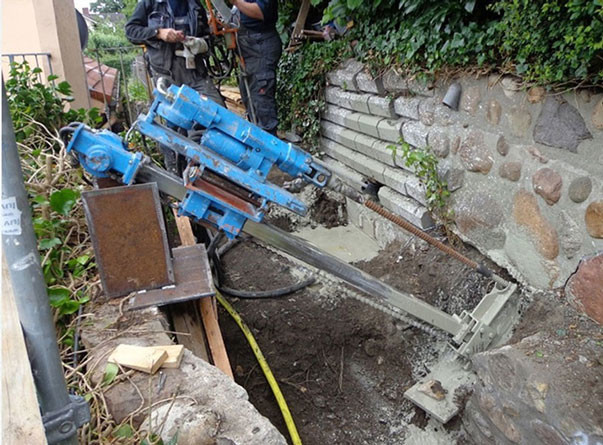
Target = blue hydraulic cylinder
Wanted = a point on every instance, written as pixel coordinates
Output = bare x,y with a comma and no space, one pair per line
244,144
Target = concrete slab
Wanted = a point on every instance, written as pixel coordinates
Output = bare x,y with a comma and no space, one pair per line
351,177
396,179
415,133
351,121
336,114
367,83
348,243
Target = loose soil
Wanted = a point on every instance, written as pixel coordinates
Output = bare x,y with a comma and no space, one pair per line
343,366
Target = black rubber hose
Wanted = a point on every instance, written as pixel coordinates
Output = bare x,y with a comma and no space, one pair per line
273,293
214,253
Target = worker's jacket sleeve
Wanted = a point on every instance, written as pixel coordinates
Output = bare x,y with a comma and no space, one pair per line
138,30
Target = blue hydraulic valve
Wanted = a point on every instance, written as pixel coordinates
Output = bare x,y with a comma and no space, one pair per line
226,174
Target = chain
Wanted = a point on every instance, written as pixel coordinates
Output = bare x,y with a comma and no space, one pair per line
339,284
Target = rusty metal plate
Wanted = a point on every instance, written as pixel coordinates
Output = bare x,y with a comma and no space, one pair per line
129,238
193,280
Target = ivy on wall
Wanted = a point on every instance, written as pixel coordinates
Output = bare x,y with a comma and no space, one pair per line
544,41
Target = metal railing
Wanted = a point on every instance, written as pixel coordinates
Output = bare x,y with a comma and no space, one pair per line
45,66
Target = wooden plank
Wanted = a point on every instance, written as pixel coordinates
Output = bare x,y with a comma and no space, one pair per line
141,358
302,15
208,313
186,317
21,419
187,320
174,355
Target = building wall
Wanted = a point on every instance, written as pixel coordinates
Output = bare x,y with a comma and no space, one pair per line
525,166
46,26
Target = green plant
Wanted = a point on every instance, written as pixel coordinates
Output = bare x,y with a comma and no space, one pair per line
553,40
425,166
38,111
300,86
137,91
32,102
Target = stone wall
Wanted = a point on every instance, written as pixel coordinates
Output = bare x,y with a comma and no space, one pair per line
525,166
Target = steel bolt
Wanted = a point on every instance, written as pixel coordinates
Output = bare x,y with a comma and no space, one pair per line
66,427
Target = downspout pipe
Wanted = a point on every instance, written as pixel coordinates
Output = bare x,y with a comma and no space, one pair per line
62,414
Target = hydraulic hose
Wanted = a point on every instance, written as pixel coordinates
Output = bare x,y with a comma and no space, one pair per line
273,293
214,254
282,403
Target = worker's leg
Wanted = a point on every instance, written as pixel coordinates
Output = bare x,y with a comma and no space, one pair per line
261,53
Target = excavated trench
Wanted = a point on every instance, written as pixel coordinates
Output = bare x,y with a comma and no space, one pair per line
343,366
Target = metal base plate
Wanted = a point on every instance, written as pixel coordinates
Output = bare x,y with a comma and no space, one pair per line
451,374
128,234
193,280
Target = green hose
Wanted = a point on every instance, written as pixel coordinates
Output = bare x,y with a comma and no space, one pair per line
265,368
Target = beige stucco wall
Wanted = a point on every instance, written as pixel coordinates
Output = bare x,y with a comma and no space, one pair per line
47,26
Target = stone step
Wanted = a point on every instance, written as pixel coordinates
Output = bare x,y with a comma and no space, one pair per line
367,145
351,177
405,207
357,161
347,99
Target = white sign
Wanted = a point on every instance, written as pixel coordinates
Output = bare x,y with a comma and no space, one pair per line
11,217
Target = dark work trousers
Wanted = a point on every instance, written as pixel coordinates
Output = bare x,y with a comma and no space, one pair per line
261,52
198,80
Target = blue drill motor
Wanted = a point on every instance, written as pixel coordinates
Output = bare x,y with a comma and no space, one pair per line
226,176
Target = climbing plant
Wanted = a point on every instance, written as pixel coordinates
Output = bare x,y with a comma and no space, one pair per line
300,86
424,164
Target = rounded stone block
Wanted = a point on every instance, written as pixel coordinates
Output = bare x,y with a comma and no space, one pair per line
474,154
585,288
493,112
594,219
580,188
510,170
526,213
502,146
547,183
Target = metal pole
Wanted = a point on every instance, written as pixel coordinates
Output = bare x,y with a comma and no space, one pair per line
61,413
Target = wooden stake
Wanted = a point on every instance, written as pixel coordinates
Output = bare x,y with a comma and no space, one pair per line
206,306
21,419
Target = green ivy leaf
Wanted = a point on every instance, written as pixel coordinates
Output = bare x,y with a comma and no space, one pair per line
62,201
124,431
47,244
58,296
111,371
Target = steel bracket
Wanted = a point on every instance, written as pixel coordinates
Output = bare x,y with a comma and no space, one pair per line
62,424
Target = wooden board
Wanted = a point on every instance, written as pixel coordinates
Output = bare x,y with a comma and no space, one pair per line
174,355
207,308
302,15
189,328
141,358
21,419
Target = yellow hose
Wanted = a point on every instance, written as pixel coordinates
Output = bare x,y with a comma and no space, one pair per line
265,368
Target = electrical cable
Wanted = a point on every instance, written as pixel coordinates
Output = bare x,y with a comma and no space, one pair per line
278,395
